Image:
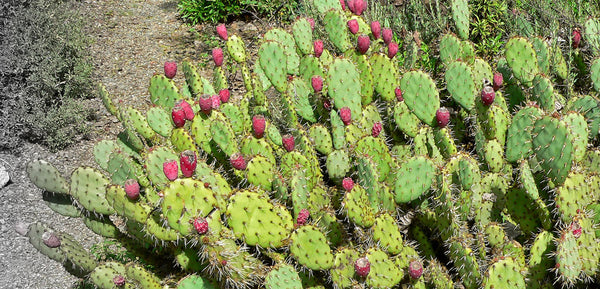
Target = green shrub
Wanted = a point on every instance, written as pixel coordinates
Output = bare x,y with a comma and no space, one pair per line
197,11
45,69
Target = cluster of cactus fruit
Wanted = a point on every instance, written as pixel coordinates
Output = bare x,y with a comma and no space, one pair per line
335,166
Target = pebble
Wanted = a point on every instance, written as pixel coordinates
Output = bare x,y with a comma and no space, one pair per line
4,177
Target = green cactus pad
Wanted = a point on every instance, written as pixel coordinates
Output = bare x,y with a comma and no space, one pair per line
88,187
309,247
338,164
343,273
505,273
450,48
103,275
542,52
154,165
519,136
185,200
378,151
258,222
236,48
271,56
357,207
385,75
461,84
543,92
405,120
522,59
553,148
303,35
301,92
130,209
289,48
107,101
384,273
163,91
421,95
579,132
539,258
344,86
192,78
46,177
283,276
222,134
336,27
592,33
413,179
387,235
160,121
101,226
460,15
142,277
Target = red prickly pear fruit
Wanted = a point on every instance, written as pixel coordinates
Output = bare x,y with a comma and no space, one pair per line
346,115
415,269
363,44
442,116
376,29
222,31
392,49
362,267
201,225
387,35
215,101
318,46
488,95
119,281
170,168
237,161
576,38
343,4
170,69
178,116
317,83
302,217
258,125
205,103
50,239
188,161
377,128
312,23
353,26
398,92
327,104
217,55
224,95
187,109
575,228
357,6
498,79
347,184
288,142
132,189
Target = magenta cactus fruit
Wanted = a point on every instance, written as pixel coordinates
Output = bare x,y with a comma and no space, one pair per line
217,55
259,123
363,44
170,69
362,267
488,95
347,184
415,269
187,109
398,92
327,104
132,189
119,280
343,4
302,217
188,161
392,49
353,26
224,95
376,29
222,31
288,142
205,102
50,239
497,82
575,228
357,6
201,225
312,23
442,116
318,47
576,40
170,169
377,128
237,161
178,116
387,35
317,83
215,101
346,115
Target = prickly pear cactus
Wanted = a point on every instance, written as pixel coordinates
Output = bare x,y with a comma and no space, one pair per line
333,166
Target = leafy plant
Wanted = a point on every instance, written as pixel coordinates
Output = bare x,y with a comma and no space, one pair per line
214,11
43,74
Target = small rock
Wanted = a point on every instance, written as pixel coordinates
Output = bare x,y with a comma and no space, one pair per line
21,228
4,177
